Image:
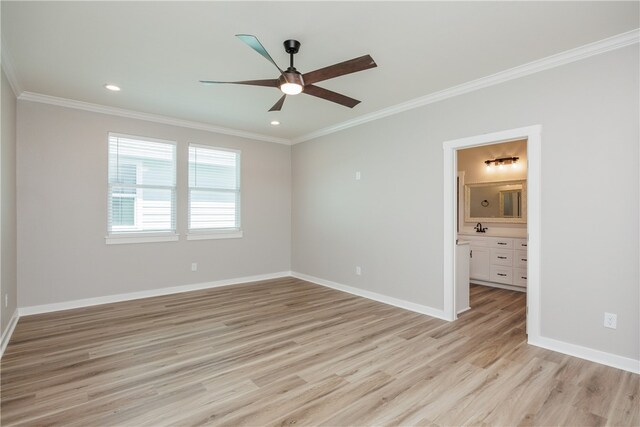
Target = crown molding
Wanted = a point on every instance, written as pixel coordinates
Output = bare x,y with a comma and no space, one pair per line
566,57
7,66
121,112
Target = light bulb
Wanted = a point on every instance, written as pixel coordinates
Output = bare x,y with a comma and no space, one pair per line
275,123
501,166
291,88
514,165
488,167
112,87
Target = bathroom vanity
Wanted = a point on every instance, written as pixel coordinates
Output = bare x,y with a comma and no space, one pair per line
497,261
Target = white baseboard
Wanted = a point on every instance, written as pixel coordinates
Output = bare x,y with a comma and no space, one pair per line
6,335
87,302
575,350
418,308
586,353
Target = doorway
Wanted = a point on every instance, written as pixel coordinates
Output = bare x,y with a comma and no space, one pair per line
532,135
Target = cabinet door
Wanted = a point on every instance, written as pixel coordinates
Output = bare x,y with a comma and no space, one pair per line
480,267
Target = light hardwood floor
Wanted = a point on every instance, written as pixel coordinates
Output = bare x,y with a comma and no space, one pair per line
287,352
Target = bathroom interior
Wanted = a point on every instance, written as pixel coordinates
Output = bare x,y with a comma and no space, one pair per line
491,220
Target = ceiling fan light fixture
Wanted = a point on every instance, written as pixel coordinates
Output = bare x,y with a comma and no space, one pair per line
292,82
291,88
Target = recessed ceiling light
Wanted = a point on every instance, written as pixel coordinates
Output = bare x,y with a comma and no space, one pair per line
275,123
113,88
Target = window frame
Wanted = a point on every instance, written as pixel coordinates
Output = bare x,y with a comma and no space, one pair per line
125,237
216,233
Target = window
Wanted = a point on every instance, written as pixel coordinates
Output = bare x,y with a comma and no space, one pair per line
142,186
214,192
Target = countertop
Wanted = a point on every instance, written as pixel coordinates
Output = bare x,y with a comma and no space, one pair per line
519,235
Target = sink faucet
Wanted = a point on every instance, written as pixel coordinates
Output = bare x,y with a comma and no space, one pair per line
480,229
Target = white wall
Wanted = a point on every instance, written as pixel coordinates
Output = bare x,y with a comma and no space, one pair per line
390,222
8,257
62,211
471,161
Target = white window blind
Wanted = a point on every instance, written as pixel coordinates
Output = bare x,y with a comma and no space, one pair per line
142,185
214,189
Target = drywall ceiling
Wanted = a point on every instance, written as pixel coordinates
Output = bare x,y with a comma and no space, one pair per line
157,51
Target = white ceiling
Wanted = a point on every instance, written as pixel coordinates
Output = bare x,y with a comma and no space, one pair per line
157,51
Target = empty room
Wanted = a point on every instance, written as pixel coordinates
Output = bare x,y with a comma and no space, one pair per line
329,213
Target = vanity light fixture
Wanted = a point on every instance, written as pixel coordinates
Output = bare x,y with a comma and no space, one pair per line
501,162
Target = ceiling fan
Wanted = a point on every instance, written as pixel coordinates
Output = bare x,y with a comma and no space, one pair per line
292,82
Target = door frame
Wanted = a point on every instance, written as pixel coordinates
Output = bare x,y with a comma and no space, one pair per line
533,136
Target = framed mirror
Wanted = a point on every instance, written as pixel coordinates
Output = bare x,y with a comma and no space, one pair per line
501,201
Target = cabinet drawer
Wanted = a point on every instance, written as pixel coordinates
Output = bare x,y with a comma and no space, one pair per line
520,259
501,274
501,242
501,257
520,277
520,244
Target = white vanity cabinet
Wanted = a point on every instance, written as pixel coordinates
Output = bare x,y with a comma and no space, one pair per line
498,261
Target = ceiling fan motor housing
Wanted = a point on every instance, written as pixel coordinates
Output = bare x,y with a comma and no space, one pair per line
291,46
291,77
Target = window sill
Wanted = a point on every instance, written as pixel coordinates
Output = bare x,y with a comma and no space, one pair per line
210,235
122,239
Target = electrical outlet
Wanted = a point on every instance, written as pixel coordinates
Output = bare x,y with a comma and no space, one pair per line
194,266
358,176
610,320
358,270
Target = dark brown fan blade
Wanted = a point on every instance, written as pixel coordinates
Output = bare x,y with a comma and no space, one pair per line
278,105
346,67
269,83
254,43
330,96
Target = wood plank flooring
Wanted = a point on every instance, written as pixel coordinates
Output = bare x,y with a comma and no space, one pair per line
287,352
